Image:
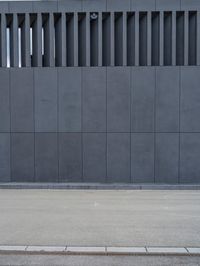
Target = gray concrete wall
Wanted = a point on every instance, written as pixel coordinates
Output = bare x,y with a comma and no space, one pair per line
100,124
110,123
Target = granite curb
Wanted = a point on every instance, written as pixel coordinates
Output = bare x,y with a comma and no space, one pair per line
99,186
104,250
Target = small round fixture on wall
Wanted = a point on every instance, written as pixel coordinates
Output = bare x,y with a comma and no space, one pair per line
94,15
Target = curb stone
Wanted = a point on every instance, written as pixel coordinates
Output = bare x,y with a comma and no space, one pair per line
98,186
80,250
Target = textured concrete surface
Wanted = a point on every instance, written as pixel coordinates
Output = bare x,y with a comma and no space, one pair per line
100,218
42,260
100,124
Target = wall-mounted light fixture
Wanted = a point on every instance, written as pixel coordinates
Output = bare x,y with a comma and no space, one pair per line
94,15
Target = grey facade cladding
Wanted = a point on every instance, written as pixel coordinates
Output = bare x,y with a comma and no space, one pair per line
127,124
110,115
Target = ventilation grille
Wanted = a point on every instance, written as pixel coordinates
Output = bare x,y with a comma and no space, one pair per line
100,39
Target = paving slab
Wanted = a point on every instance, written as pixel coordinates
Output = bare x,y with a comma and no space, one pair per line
126,250
46,248
86,249
194,250
166,250
13,248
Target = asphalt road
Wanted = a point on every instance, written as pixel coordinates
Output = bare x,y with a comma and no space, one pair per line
100,218
19,260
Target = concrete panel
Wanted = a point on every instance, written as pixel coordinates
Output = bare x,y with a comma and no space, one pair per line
22,157
143,5
190,5
142,157
20,6
190,99
45,6
94,157
69,87
143,99
4,7
69,5
168,5
46,157
94,5
94,99
167,158
118,5
4,157
70,157
21,89
45,86
167,99
4,100
189,158
118,157
118,99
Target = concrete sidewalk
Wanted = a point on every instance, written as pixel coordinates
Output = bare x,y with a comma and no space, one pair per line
100,218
